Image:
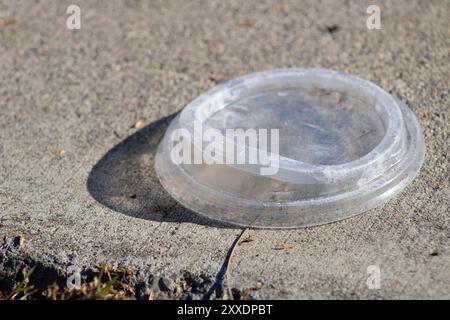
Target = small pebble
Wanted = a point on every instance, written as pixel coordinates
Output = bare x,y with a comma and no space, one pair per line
139,124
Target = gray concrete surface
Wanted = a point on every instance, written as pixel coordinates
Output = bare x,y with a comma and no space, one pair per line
77,179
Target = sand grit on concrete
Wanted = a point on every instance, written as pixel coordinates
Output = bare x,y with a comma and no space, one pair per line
77,178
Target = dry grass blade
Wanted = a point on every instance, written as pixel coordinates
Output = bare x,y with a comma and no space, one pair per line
236,243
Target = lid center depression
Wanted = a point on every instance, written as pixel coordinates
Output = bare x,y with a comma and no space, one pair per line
316,126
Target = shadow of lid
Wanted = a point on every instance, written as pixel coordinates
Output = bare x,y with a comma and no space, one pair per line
124,179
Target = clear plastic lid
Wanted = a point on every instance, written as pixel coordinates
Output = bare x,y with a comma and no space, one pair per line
290,148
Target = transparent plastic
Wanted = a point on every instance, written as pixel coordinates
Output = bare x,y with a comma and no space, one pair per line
345,146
